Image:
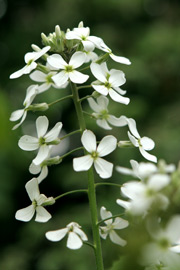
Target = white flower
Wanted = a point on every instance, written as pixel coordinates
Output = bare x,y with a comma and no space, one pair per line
164,247
30,59
119,59
108,82
46,79
83,34
111,225
105,147
42,168
43,140
143,143
68,69
38,200
140,170
31,92
102,115
143,196
75,235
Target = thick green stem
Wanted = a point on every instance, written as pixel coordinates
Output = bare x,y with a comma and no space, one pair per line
91,187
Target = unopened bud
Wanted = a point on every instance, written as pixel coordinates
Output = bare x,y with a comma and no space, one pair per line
35,48
124,144
38,107
49,201
58,31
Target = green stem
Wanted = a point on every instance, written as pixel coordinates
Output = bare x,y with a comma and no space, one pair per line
70,192
86,97
69,134
84,86
91,187
71,152
107,184
101,221
59,100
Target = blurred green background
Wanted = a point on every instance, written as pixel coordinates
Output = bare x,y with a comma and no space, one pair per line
145,31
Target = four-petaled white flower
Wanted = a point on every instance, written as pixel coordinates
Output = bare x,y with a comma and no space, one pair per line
111,225
102,115
108,82
38,201
68,69
105,147
30,59
31,92
43,141
83,34
75,235
143,143
145,195
165,244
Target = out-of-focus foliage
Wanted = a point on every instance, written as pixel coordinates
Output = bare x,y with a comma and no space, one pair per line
147,32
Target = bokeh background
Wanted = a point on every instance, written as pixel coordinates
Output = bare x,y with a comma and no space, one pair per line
145,31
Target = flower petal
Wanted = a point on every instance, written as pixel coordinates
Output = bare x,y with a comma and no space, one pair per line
124,204
56,235
117,78
32,189
120,59
98,72
28,143
43,174
34,169
82,163
42,154
103,124
56,61
25,214
158,181
120,223
60,78
117,122
42,124
106,214
92,103
42,215
147,155
78,77
132,127
103,167
147,143
88,140
118,98
100,89
82,235
116,239
16,115
38,76
74,241
133,140
18,73
77,59
53,133
107,145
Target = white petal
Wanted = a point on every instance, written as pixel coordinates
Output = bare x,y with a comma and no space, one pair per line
42,124
78,77
175,249
25,214
38,76
88,140
82,163
107,145
172,230
18,73
98,72
100,89
120,91
42,215
56,235
120,223
103,124
53,133
103,167
133,140
41,52
22,120
43,174
44,87
106,214
28,143
32,189
147,155
61,78
158,181
16,115
124,204
120,59
82,235
147,143
117,122
132,127
74,241
42,154
96,40
77,59
118,98
31,92
92,103
123,170
103,102
34,169
115,238
73,35
117,78
56,61
133,190
88,45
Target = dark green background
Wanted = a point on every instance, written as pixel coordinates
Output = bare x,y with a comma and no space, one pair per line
147,32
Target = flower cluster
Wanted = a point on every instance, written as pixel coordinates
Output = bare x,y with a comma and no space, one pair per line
68,60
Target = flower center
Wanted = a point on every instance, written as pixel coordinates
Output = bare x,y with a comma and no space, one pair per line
164,243
94,155
34,203
42,141
69,69
29,62
107,85
49,78
103,115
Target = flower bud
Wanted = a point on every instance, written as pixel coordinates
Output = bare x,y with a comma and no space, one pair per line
38,107
124,144
49,201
